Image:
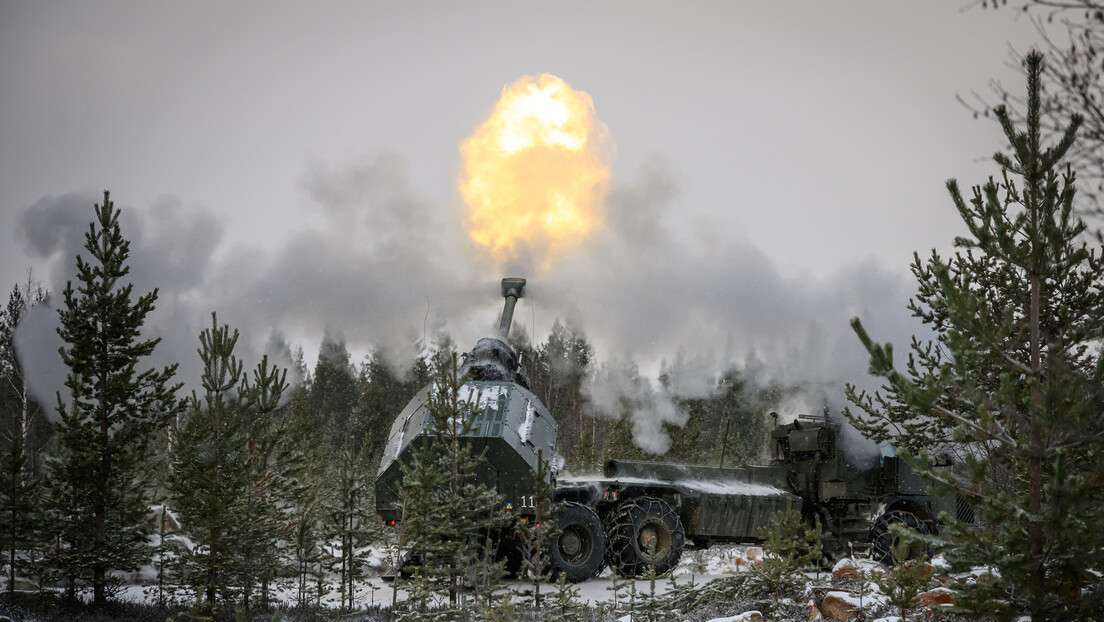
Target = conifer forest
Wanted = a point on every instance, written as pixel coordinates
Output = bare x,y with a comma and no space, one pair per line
959,475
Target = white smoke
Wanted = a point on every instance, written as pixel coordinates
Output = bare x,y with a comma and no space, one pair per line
617,387
387,268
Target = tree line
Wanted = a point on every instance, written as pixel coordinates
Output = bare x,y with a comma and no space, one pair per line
268,481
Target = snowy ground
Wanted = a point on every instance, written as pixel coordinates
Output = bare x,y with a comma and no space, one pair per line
702,566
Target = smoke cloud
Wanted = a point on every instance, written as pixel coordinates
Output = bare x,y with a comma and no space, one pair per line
655,291
652,284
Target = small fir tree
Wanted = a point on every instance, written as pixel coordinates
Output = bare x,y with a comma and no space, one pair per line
650,605
21,412
485,581
112,412
904,581
21,511
21,499
262,516
348,522
301,467
616,586
536,535
447,514
789,546
566,603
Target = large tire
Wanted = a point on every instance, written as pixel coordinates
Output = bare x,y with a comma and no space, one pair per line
634,528
882,538
579,551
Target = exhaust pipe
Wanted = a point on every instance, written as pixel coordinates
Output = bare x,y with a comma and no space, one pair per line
512,289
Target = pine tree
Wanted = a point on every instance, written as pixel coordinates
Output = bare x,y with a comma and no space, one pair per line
383,395
447,515
301,478
224,478
112,413
21,413
21,503
557,370
472,512
209,464
790,546
21,510
1014,379
904,581
334,391
536,536
348,522
262,515
567,601
424,477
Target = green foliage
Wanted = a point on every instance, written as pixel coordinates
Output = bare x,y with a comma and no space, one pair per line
348,523
23,431
209,465
302,467
566,604
21,508
787,537
262,514
485,581
382,396
616,587
221,476
651,607
790,546
904,581
536,535
20,413
112,412
1014,382
557,371
730,425
446,514
333,393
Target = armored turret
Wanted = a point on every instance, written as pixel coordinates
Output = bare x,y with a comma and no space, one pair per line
508,422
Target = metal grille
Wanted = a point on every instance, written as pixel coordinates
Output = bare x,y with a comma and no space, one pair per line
963,511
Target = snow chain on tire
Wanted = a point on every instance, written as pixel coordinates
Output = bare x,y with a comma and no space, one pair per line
882,538
633,526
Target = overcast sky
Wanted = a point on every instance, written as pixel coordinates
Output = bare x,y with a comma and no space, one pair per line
294,165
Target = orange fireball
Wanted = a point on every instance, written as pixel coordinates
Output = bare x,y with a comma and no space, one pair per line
535,174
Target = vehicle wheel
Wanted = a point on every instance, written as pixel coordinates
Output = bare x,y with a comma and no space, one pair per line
882,539
644,532
579,550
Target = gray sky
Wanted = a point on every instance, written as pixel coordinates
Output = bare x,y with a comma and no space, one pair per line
294,166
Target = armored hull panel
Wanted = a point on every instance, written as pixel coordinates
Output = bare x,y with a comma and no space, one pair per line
507,422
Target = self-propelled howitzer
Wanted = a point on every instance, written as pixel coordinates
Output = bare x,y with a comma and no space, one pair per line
641,515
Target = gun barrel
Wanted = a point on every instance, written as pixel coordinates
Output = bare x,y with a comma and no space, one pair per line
512,289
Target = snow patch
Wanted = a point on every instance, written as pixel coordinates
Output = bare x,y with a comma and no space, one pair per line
747,616
483,397
714,487
527,426
556,463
